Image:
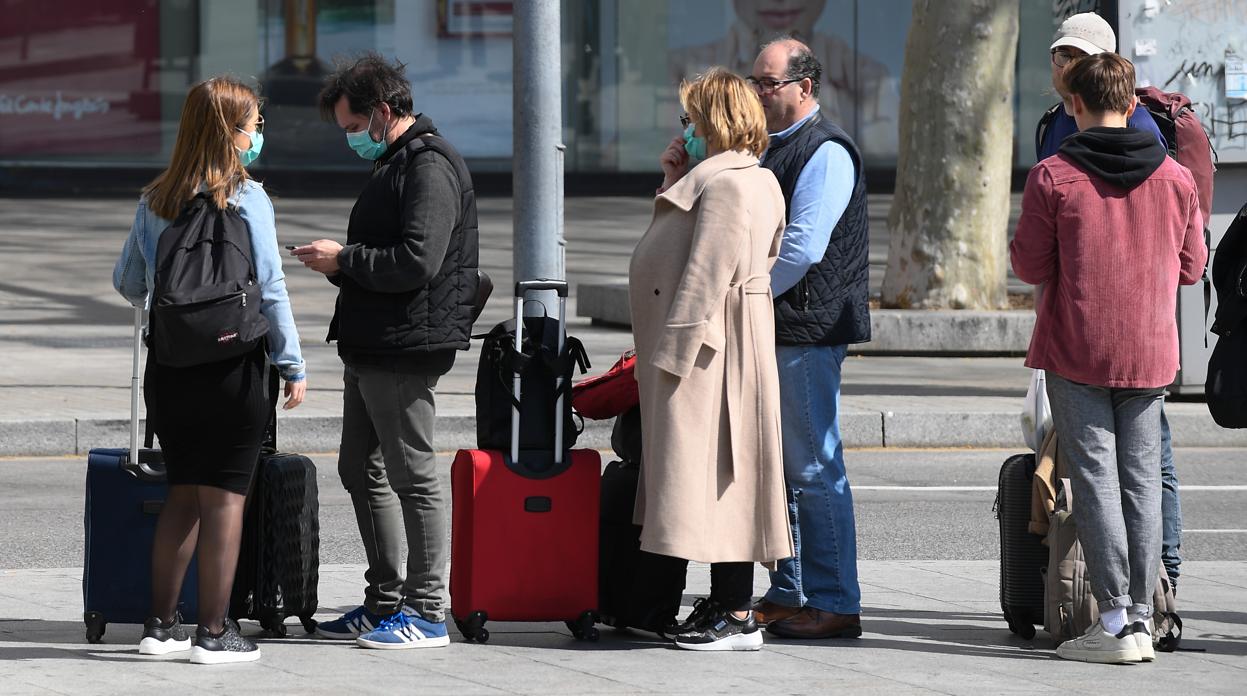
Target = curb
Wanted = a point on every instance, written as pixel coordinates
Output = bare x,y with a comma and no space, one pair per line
1191,425
894,331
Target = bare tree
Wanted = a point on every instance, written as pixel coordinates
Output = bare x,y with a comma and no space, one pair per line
951,209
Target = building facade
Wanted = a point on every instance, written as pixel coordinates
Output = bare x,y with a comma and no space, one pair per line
98,84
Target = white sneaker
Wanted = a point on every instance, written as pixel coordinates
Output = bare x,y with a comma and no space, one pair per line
1098,645
1141,629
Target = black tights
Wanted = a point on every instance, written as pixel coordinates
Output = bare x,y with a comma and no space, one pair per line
731,585
207,517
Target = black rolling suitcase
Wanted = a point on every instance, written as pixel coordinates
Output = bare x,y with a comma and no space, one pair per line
1023,556
636,588
125,490
278,564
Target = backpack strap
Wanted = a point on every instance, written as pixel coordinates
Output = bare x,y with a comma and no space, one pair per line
1041,128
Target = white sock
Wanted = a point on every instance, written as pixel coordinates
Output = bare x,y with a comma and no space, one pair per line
1113,620
1138,612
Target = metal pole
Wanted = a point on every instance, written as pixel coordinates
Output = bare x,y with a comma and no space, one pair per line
537,158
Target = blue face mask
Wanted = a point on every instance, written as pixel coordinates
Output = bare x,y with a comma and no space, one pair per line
694,145
363,144
250,154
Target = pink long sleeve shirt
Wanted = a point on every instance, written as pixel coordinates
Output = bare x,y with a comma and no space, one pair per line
1110,261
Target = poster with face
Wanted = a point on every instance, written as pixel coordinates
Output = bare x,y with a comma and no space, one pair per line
82,80
861,50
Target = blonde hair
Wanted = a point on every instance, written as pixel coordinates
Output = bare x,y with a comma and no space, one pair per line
727,111
204,152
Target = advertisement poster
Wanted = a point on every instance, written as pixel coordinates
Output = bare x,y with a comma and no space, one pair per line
459,59
861,47
81,80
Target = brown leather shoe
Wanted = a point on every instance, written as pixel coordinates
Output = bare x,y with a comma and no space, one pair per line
813,623
764,612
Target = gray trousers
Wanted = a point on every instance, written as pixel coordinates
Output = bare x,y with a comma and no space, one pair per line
1111,440
387,464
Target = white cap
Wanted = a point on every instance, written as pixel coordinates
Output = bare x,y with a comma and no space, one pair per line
1087,32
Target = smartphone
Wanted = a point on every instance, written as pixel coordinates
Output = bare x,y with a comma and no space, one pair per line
290,247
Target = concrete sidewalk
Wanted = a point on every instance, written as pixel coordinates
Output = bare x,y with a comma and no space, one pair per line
931,627
65,338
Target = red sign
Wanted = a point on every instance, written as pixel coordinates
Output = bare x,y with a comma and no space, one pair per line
79,80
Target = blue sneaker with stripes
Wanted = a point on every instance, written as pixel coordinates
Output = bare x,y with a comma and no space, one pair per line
406,629
350,625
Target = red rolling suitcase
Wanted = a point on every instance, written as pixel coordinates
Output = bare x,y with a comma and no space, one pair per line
524,533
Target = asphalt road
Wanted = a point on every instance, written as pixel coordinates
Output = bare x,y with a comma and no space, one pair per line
911,505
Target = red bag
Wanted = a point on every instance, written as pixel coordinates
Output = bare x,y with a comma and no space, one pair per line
523,547
610,394
1188,141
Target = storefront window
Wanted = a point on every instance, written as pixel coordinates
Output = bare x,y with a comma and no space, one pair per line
101,82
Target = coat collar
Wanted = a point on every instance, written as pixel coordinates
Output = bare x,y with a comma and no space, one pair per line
686,191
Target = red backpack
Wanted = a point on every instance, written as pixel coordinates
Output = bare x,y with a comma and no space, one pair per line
1187,140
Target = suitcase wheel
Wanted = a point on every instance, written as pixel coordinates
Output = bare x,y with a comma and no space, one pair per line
473,627
1020,625
274,625
96,625
583,627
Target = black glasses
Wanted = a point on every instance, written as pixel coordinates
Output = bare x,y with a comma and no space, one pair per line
684,120
766,84
1061,57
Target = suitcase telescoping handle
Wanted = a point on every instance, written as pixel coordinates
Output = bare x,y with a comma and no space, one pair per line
521,288
136,465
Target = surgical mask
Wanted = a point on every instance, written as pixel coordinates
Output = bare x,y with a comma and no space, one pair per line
363,144
250,154
694,145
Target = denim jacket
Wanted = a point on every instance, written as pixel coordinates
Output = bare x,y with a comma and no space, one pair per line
135,271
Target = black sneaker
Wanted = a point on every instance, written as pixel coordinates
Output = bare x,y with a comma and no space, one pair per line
722,631
160,638
702,607
224,647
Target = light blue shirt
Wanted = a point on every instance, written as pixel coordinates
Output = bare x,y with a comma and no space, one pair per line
135,271
820,197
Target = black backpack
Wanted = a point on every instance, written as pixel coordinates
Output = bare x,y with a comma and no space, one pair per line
539,364
205,300
1226,384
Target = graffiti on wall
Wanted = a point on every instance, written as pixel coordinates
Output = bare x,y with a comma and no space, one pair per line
1185,46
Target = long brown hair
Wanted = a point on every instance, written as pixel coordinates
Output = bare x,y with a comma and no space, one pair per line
204,152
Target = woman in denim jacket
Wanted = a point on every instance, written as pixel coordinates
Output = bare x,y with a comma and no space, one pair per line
210,418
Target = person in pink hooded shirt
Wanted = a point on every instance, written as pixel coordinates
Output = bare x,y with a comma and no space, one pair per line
1110,226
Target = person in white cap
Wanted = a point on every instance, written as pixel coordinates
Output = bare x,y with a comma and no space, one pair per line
1082,35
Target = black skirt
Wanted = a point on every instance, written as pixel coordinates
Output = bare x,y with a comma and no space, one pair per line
210,419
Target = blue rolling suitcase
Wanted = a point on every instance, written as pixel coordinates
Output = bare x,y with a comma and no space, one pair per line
125,491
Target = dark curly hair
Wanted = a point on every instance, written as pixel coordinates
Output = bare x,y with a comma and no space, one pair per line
367,81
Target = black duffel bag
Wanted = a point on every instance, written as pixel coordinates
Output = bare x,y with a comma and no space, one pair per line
1226,383
539,364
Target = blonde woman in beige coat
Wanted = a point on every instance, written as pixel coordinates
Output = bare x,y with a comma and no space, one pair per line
713,485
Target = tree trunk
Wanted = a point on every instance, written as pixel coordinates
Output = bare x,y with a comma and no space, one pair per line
949,217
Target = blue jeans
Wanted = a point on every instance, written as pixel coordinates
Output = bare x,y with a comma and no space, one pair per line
823,573
1170,506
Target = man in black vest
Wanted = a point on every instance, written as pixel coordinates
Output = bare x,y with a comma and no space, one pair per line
407,282
821,285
